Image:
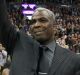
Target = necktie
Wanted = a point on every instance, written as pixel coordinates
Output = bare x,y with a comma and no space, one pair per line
43,61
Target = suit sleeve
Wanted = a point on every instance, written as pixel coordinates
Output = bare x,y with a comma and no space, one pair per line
8,33
78,73
77,69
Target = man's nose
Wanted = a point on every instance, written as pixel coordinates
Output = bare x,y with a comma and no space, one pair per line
37,24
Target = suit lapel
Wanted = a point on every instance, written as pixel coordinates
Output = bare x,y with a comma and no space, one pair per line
57,60
36,54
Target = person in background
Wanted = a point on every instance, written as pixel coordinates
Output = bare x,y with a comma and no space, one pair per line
3,57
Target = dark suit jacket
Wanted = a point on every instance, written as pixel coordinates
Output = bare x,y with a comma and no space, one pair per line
65,62
24,51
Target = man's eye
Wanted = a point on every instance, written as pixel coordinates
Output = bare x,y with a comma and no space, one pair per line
43,20
32,22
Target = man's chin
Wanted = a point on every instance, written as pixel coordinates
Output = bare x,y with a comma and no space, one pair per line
41,40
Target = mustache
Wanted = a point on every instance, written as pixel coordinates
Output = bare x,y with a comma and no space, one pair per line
34,30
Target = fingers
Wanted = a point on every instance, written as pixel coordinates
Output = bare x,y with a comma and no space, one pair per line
1,47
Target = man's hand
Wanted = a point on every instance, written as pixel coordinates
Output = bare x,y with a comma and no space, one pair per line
0,47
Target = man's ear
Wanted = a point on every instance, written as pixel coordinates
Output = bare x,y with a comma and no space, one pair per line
54,26
55,29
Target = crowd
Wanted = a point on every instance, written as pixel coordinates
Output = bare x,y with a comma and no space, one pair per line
67,29
67,25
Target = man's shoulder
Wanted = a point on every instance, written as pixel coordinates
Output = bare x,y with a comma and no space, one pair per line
72,56
26,38
66,51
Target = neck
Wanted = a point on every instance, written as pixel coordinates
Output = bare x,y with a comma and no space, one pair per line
47,41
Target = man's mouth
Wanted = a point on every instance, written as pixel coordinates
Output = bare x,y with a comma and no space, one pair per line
38,32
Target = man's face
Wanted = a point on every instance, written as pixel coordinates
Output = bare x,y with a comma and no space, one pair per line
41,27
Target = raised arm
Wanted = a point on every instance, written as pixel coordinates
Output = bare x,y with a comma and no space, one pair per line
8,33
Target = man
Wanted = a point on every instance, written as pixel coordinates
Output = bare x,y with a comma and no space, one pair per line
62,61
25,55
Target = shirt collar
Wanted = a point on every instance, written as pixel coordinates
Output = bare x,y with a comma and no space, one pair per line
51,46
